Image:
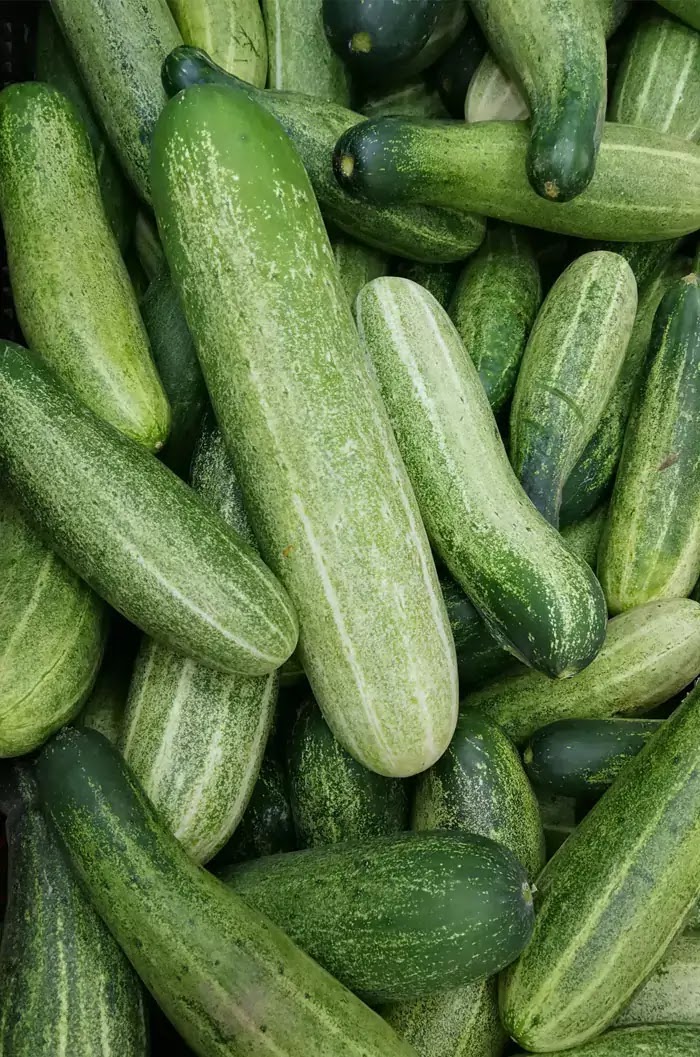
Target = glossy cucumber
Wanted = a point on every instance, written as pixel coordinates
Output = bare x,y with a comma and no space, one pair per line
463,1022
300,56
686,10
454,69
357,264
231,31
438,279
267,826
583,537
492,95
671,995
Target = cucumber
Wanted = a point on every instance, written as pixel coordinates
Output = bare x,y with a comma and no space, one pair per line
614,896
646,259
72,294
479,786
333,798
228,980
672,992
582,757
454,69
416,99
583,537
401,917
103,501
649,654
231,31
267,826
439,279
536,597
492,95
300,56
382,670
148,247
67,989
646,186
429,235
480,657
651,543
661,1040
494,307
357,264
558,820
686,10
658,83
52,631
462,1022
568,374
104,708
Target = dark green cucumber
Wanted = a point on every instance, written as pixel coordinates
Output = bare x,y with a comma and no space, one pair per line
103,503
660,1040
67,989
454,69
429,235
267,826
646,185
494,307
357,264
649,654
480,657
147,246
583,537
687,10
229,981
463,1022
416,99
231,31
300,56
438,279
397,917
646,259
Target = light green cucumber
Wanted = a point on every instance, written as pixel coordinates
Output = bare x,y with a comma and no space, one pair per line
300,59
325,490
687,10
357,264
439,279
71,290
569,370
492,95
416,99
672,992
463,1022
536,597
231,31
583,537
147,246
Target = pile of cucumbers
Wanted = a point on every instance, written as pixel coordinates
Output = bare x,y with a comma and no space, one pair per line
350,530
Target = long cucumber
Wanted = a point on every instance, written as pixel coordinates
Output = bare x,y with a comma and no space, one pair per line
231,31
300,56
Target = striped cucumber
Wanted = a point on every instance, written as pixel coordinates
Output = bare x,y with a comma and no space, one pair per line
72,293
583,537
103,501
325,489
492,95
649,654
571,364
480,657
267,826
416,99
357,264
660,1040
438,279
453,71
300,56
687,10
231,31
494,307
536,597
463,1022
671,995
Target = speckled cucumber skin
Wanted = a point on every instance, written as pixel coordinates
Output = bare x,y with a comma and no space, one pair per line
494,306
300,58
73,297
397,917
646,185
649,654
568,373
119,48
671,995
420,233
463,1022
438,279
660,1040
52,631
103,502
651,542
687,10
333,797
267,826
357,264
535,595
324,486
229,981
583,537
67,989
613,897
231,31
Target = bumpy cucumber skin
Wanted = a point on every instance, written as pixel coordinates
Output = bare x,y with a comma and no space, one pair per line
569,370
233,33
52,632
686,10
651,542
103,502
463,1022
646,186
357,264
671,995
649,654
583,537
614,896
72,293
659,1040
547,608
325,489
429,235
494,307
300,56
267,826
228,980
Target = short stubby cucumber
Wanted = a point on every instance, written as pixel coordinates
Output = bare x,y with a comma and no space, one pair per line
462,1022
231,31
671,995
300,56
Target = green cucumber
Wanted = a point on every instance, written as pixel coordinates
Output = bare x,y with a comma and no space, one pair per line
479,786
687,10
67,989
147,246
582,757
104,708
651,543
228,980
569,370
333,797
397,917
660,1040
494,307
558,820
454,69
430,235
646,186
103,502
649,654
267,826
536,597
52,631
357,264
346,563
480,657
583,537
463,1022
300,56
614,896
72,293
492,95
671,995
231,31
416,99
439,279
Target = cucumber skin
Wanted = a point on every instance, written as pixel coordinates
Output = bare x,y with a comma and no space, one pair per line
334,560
218,970
428,235
73,297
415,99
357,264
548,610
267,826
480,657
300,56
686,10
494,307
233,33
649,654
397,917
571,364
643,836
147,245
463,1022
199,589
438,279
651,543
660,1040
583,537
104,708
671,995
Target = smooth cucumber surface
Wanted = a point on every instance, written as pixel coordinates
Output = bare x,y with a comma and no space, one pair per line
463,1022
300,56
357,264
661,1040
672,992
231,31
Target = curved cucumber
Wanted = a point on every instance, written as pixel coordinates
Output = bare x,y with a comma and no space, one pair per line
492,95
535,595
231,31
583,537
357,264
463,1022
671,995
300,56
686,10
